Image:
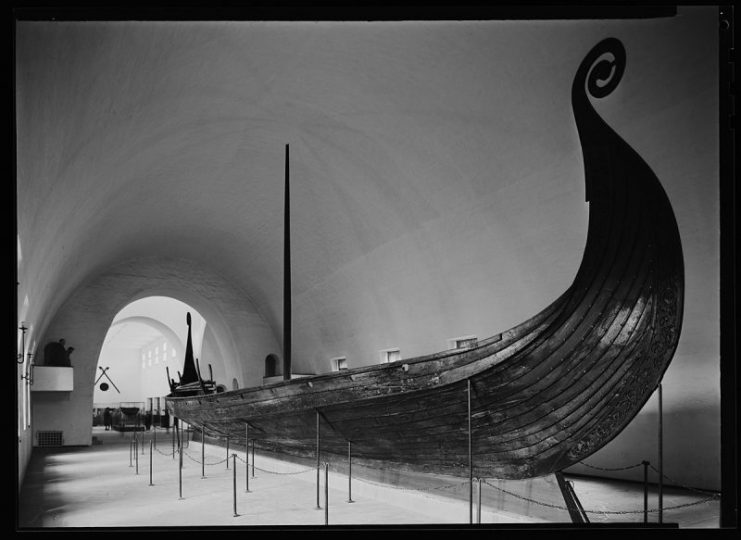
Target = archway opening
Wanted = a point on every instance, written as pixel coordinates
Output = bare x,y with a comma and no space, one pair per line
271,366
143,348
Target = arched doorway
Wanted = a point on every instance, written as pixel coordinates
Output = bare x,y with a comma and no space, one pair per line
271,365
144,345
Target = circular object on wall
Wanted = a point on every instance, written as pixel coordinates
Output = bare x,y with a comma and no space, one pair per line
104,386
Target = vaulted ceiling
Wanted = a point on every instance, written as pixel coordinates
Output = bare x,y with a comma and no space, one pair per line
437,187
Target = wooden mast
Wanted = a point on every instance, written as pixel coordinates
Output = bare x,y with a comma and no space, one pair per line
287,281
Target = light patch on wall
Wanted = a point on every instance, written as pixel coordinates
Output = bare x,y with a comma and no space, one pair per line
19,252
339,363
390,355
22,317
463,342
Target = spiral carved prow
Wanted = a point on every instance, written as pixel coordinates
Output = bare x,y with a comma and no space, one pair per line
601,70
599,74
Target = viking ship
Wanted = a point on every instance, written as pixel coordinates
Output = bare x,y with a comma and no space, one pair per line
190,382
529,401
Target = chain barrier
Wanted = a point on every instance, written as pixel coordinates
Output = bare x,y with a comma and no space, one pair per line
611,469
312,468
207,463
286,473
540,503
712,495
603,512
399,488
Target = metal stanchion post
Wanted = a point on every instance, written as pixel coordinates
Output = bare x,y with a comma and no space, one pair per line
253,458
180,472
173,444
349,473
645,491
203,452
470,456
151,447
136,453
227,452
247,458
661,457
318,466
131,451
326,493
154,435
478,508
234,482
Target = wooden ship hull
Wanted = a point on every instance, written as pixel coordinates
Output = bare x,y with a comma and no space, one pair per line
529,401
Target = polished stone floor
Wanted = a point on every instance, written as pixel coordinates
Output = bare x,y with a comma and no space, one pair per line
102,486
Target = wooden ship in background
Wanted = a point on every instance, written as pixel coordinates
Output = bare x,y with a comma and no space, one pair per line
524,403
190,382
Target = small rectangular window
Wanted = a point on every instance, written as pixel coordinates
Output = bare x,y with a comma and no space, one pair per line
390,355
338,364
465,342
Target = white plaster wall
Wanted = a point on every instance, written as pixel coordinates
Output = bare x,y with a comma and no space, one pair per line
125,372
87,315
24,433
436,183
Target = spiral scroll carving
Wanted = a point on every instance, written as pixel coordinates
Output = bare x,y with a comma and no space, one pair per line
602,75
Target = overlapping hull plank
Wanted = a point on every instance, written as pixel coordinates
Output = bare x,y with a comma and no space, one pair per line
544,394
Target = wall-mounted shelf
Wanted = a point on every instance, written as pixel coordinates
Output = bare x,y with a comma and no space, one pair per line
53,379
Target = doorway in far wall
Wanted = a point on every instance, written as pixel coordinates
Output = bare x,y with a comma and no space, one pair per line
271,365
